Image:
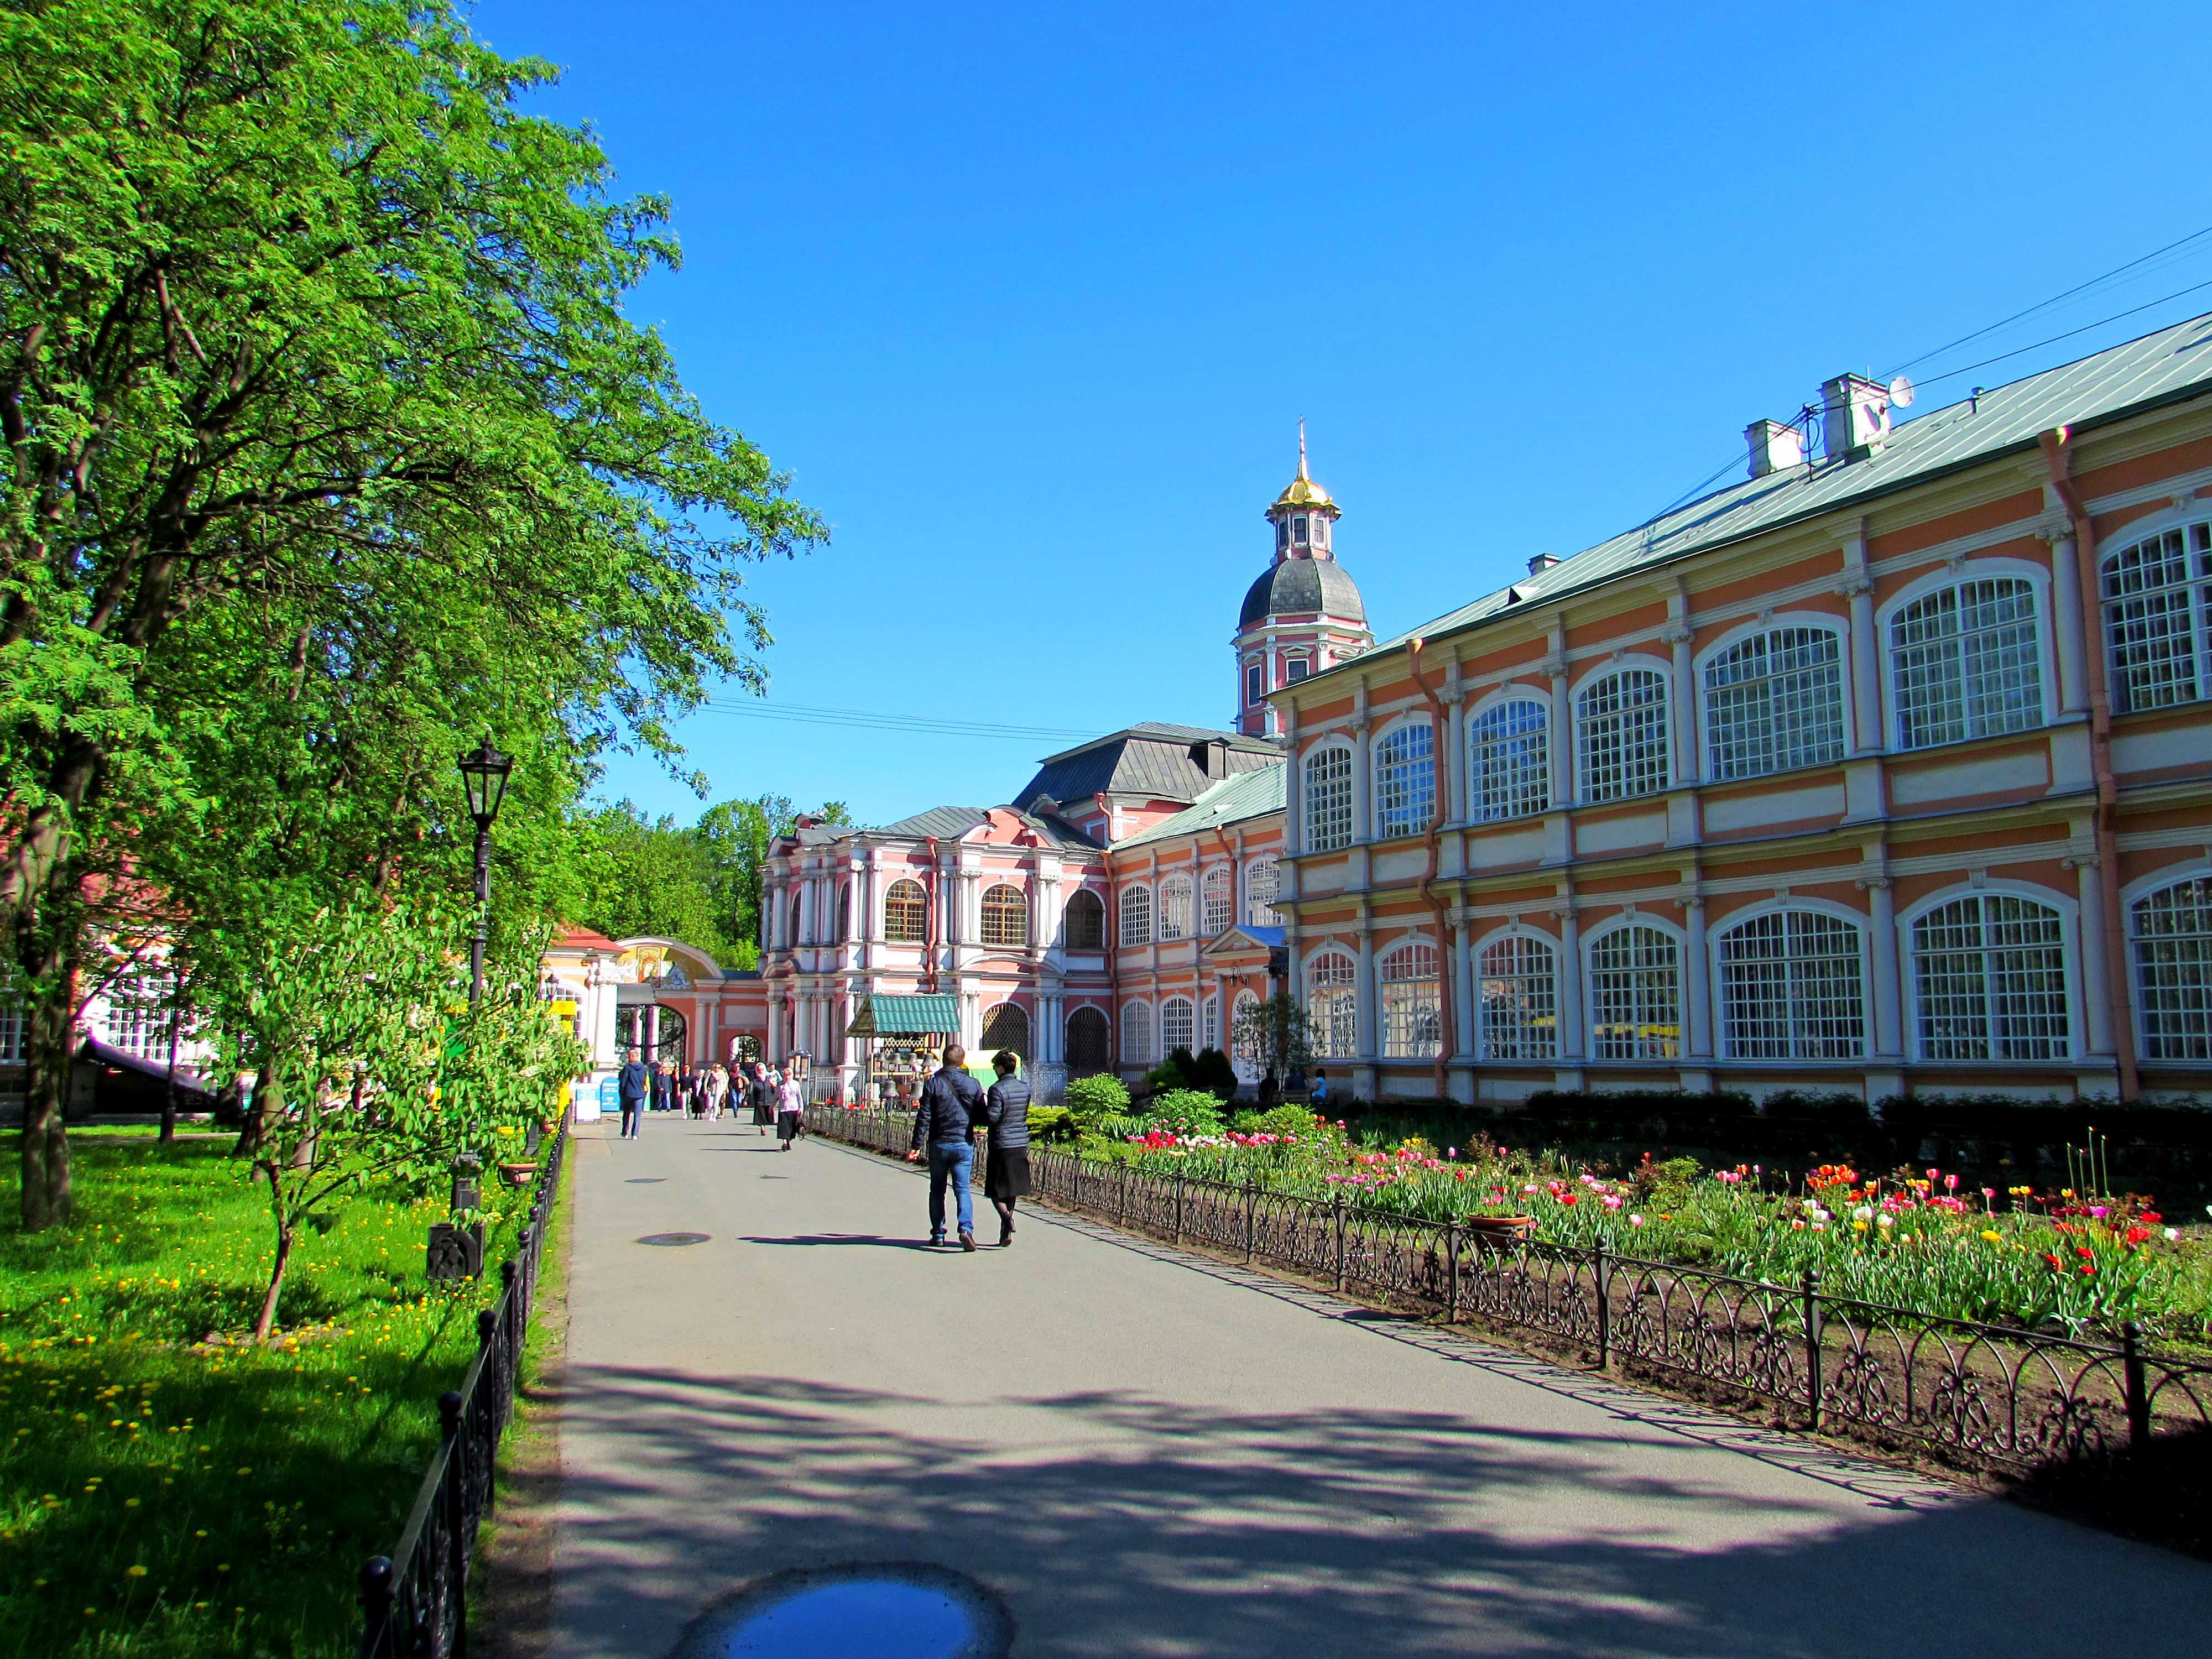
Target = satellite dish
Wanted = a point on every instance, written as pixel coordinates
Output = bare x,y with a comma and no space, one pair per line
1901,393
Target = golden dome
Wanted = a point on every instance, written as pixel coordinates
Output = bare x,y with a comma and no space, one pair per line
1302,490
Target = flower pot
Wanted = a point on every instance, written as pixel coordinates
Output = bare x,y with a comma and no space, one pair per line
518,1175
1499,1229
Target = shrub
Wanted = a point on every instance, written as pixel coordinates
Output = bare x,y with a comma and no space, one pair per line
1213,1072
1186,1111
1090,1098
1284,1121
1052,1123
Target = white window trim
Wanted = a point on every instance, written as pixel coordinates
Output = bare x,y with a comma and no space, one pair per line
1827,623
1227,872
1717,990
1979,568
2172,875
1152,917
1683,969
1121,1034
1160,1024
1306,756
2069,950
1304,988
1275,860
1603,670
1550,942
2093,602
1511,691
1403,720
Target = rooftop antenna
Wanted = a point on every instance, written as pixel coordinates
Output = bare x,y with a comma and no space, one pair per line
1900,393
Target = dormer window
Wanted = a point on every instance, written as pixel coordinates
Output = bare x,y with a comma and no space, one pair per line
1295,669
1298,530
1320,531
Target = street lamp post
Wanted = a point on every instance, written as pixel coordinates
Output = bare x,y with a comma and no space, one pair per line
483,773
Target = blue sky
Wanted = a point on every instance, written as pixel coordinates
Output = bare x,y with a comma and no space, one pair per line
1029,299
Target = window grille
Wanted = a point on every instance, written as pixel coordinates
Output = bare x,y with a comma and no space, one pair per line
1177,1024
1405,780
1174,908
1006,1026
798,917
1620,732
1213,1006
2172,930
1413,1010
1218,908
906,913
1328,798
1136,1034
1087,1043
1254,683
1990,969
1519,986
1509,761
844,911
1136,914
1636,996
1239,1036
1775,701
11,1031
137,1020
1333,1005
1086,921
1006,916
2158,618
1965,663
1260,894
1791,987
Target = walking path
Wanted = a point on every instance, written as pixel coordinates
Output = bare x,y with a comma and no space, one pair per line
1148,1453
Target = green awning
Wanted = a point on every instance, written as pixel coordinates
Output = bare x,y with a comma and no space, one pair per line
934,1015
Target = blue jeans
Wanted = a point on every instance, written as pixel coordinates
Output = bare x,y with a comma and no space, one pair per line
955,1160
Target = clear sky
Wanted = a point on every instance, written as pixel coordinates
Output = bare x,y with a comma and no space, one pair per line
1030,298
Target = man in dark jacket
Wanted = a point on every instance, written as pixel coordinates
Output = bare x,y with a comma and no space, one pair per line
632,1083
951,1103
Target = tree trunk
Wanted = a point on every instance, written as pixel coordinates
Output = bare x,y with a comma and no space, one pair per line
49,1045
263,1108
268,1320
169,1095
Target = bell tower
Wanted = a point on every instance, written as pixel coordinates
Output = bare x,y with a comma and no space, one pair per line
1305,613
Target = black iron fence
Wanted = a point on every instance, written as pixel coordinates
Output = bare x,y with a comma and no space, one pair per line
1983,1392
415,1602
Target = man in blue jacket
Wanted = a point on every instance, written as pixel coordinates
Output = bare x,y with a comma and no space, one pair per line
633,1082
951,1103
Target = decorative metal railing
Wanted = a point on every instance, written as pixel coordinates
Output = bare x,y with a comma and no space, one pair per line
415,1602
1982,1393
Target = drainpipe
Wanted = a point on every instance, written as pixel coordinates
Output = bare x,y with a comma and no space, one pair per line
929,923
2060,462
1107,934
1439,723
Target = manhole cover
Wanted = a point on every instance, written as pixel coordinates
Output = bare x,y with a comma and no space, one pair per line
898,1610
675,1238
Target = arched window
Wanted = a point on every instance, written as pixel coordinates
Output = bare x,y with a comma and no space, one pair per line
1620,735
844,911
1006,916
1210,1008
1791,987
1217,911
2158,618
1775,701
1178,1025
1990,971
1413,1008
1517,982
906,913
1086,921
1244,1042
1508,767
1965,663
1327,794
1136,913
1636,996
798,918
1333,1005
136,1018
1174,908
1006,1026
1136,1034
1089,1048
2171,935
1260,894
1404,780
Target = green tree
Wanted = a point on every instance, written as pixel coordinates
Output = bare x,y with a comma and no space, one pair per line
651,877
738,835
1277,1032
305,327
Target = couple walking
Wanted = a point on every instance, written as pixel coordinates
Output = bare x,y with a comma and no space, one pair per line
953,1107
776,1099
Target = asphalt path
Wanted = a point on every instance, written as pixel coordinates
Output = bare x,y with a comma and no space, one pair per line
1148,1453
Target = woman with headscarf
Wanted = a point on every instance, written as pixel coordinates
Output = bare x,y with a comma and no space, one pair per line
791,1101
761,1096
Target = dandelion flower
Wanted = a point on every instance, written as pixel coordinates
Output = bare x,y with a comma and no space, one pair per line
133,1571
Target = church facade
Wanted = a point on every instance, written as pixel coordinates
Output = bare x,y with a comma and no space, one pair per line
1884,769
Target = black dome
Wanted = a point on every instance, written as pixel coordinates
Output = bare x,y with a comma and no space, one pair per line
1298,588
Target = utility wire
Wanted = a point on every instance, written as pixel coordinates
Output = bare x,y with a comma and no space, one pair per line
887,721
1952,373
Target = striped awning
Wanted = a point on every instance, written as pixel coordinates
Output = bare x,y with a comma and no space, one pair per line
932,1015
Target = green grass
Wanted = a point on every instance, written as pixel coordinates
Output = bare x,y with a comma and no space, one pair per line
168,1496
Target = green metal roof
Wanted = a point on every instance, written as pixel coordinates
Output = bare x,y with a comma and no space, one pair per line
1244,795
933,1014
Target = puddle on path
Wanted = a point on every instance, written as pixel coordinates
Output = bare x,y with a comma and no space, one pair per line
898,1610
675,1238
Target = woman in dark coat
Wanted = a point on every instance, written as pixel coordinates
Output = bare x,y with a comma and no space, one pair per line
1006,1170
761,1096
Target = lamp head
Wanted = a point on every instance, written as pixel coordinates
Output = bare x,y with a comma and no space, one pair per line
483,773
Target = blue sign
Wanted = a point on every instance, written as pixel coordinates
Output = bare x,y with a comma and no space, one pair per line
610,1094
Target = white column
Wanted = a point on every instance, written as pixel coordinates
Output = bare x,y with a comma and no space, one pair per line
1458,809
2066,625
1867,736
1363,829
1370,1022
1573,1043
1688,761
1464,989
1888,990
2096,965
1696,982
1561,737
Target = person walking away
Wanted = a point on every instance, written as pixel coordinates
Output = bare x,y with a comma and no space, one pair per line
762,1097
944,1120
791,1102
630,1085
1006,1167
716,1086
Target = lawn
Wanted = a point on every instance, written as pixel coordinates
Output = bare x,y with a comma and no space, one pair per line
169,1489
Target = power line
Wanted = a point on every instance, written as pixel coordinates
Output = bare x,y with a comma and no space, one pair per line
886,721
2148,305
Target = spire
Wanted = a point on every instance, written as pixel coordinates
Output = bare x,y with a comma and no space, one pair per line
1303,492
1302,448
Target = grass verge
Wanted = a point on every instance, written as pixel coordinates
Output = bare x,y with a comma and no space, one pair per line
169,1490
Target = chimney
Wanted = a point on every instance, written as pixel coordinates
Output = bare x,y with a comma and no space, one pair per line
1773,446
1854,417
1543,563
